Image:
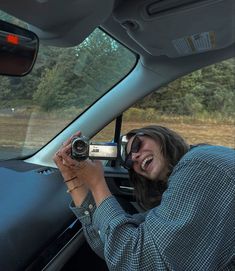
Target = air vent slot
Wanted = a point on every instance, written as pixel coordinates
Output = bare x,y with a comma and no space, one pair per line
162,6
45,171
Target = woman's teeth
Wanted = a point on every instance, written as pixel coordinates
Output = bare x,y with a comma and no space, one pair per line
146,162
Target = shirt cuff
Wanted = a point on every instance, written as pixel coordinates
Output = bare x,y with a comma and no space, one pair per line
84,212
105,214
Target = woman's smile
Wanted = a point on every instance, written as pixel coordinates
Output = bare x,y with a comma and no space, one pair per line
148,161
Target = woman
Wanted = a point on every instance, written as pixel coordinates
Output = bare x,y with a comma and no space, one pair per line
189,195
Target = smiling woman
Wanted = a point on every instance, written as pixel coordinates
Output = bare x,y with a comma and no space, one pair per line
150,155
177,188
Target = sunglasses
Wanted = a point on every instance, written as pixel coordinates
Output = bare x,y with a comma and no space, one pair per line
135,147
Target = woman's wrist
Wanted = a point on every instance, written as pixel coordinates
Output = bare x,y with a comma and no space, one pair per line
100,193
74,187
66,180
77,190
78,195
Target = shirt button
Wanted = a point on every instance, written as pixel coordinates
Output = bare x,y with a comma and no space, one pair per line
90,206
86,213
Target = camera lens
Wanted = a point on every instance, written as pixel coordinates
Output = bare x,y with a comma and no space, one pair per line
80,148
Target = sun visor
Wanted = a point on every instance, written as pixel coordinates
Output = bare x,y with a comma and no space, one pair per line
178,28
59,22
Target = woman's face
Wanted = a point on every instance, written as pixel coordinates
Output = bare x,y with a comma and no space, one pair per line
148,161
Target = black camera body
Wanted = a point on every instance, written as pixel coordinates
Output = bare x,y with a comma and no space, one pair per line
82,149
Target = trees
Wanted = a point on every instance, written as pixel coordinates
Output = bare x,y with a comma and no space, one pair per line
5,93
82,73
209,90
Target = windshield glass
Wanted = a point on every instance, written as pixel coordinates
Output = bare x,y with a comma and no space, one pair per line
62,84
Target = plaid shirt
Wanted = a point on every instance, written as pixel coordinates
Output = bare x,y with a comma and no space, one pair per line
192,229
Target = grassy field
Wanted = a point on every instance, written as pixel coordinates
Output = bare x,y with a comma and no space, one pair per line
15,132
218,134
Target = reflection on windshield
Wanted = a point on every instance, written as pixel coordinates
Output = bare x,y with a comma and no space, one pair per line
62,84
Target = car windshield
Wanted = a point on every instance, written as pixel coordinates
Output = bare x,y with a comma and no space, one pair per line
63,83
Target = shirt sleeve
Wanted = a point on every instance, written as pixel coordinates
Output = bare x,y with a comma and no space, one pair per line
128,244
190,230
85,213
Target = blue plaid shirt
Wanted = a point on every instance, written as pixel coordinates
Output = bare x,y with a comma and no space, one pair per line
192,229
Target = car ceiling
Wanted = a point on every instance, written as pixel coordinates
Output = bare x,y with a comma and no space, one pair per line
148,27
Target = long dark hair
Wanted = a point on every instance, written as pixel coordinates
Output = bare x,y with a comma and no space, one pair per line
173,146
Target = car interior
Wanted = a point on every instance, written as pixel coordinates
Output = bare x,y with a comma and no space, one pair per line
168,39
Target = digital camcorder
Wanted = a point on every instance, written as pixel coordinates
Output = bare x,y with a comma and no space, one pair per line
82,149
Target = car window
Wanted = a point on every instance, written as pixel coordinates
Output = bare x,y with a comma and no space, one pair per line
200,106
63,83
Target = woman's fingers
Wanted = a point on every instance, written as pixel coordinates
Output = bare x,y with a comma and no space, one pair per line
73,136
70,139
65,154
58,160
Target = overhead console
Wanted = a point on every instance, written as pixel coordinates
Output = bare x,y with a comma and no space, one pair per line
64,23
177,28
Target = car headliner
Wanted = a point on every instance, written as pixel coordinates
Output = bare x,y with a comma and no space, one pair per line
148,27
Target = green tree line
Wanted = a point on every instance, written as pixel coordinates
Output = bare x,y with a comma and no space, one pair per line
208,90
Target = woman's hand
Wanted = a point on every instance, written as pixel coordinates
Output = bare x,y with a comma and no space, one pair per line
62,159
68,169
92,173
88,173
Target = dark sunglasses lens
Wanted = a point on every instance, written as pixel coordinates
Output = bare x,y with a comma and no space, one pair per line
135,147
136,144
128,163
126,158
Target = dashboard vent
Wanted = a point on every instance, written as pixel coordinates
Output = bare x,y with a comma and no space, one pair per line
162,6
45,171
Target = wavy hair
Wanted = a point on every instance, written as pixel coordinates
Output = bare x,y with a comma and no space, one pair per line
149,193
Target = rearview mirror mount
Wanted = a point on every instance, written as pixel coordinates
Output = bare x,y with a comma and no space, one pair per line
18,49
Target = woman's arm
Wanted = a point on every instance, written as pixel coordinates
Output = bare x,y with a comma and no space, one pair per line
83,204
